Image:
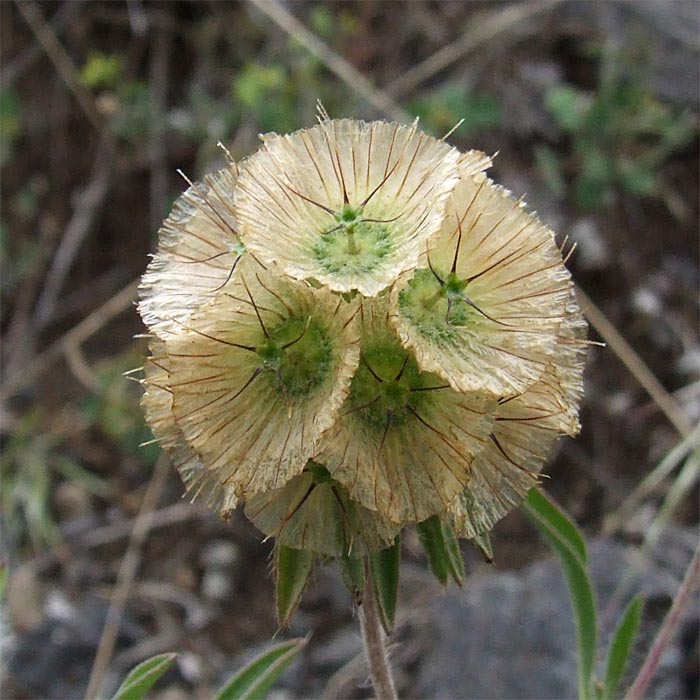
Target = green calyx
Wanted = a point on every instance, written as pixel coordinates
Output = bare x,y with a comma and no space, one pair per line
298,354
437,306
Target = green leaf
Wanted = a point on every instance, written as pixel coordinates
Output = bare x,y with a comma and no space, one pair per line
141,679
430,535
442,548
353,572
454,554
547,509
566,105
550,167
292,569
563,536
621,645
384,570
4,575
255,679
483,542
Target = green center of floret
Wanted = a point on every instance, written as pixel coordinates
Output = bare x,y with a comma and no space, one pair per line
353,245
437,305
389,389
297,355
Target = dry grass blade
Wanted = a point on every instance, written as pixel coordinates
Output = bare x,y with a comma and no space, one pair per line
77,335
125,578
669,626
634,363
61,60
480,33
335,63
615,521
87,208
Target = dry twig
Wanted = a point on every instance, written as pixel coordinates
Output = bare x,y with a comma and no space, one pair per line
61,60
634,363
76,336
335,63
125,578
481,32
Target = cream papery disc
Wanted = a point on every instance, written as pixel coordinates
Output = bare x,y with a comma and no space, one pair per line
404,441
157,402
525,432
316,514
347,203
259,374
198,249
484,311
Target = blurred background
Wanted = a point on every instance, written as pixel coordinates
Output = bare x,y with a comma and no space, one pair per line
593,110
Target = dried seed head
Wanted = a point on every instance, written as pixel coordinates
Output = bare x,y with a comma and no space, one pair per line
157,401
346,203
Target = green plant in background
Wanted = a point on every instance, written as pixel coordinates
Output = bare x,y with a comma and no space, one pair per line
442,108
102,71
25,486
31,462
567,542
269,93
113,408
619,136
250,683
10,124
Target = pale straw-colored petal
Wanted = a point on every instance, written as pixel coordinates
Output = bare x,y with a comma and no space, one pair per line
568,363
525,432
486,316
318,515
521,442
253,410
291,194
198,249
405,441
157,402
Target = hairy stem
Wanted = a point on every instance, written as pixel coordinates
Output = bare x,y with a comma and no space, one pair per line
375,649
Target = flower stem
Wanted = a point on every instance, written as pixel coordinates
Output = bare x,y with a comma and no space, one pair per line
375,649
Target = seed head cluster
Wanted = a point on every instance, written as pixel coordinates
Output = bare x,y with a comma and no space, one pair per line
355,329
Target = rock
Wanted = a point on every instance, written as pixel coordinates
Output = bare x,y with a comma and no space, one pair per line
511,635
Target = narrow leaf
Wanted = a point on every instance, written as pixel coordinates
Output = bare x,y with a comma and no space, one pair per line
563,536
256,678
483,542
454,554
546,508
621,646
442,548
141,679
292,569
384,570
353,572
431,537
